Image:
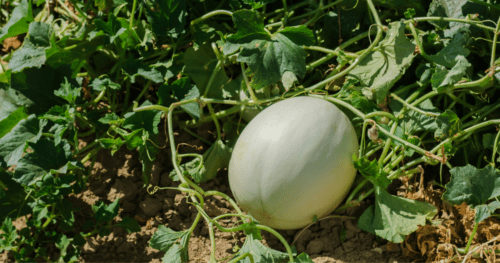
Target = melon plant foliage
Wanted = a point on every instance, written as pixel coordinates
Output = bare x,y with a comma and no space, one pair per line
419,81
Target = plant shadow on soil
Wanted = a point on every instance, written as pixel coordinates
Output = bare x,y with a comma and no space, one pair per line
119,176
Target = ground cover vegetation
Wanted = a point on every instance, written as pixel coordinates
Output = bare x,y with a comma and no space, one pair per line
417,79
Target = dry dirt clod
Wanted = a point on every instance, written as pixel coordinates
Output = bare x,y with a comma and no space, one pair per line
150,206
124,189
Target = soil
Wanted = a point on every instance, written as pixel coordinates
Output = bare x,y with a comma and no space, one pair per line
119,176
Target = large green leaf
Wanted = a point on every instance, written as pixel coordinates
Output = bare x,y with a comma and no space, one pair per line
167,17
12,145
165,237
448,124
449,55
7,124
414,122
268,56
472,186
181,90
386,64
443,77
46,157
19,21
32,54
200,64
394,217
35,87
134,68
453,9
112,27
12,197
9,102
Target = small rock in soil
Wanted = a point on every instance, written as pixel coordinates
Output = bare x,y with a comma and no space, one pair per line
123,189
314,247
150,206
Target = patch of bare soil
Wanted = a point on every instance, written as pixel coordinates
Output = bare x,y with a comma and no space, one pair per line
119,176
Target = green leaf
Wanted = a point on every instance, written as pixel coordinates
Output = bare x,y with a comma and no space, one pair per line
410,13
104,5
372,171
68,92
303,258
413,121
174,254
106,213
444,77
67,220
9,235
453,9
64,117
260,252
394,217
386,64
472,186
489,141
112,28
63,244
9,102
167,18
134,68
19,21
485,211
59,54
147,120
38,95
164,238
102,84
110,118
182,90
289,79
450,54
46,157
7,124
129,224
12,197
215,158
32,54
113,144
402,6
448,124
200,64
268,56
256,4
13,144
